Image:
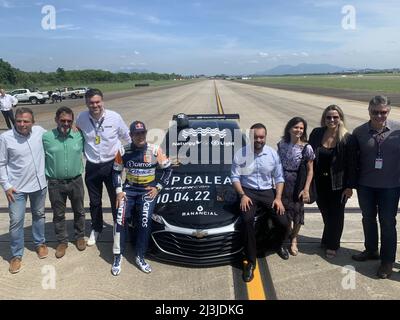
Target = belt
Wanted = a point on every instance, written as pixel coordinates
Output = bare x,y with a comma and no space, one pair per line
64,181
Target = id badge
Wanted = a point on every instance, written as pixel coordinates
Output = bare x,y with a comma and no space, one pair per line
97,140
378,163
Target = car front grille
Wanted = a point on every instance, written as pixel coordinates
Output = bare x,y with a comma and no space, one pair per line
188,246
206,225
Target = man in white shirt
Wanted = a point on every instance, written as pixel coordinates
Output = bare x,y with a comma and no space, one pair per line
22,175
103,131
7,102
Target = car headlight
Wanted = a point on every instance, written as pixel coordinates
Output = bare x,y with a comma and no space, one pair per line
157,218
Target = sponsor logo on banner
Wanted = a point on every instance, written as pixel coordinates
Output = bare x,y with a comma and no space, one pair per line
199,212
204,132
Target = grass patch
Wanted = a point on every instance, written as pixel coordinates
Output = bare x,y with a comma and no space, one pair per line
386,83
118,86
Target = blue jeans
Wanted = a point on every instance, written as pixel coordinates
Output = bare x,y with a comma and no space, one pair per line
138,208
17,217
384,202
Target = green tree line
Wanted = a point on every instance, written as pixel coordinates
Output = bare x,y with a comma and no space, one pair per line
11,77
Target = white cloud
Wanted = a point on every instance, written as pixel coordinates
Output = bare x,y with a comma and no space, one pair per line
138,63
70,27
263,54
64,10
136,52
156,20
305,54
253,61
5,4
119,35
324,4
107,9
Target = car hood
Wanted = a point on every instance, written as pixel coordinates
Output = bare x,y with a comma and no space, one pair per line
198,200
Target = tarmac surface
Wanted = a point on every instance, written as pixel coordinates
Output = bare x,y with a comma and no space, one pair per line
310,275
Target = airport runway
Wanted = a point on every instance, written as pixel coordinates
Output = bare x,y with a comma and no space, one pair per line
310,275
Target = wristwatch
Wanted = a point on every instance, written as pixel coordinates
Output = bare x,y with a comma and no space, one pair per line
241,195
159,187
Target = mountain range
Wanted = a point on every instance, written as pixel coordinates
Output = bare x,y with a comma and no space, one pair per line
303,68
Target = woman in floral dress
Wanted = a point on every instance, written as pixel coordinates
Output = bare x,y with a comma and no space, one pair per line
290,150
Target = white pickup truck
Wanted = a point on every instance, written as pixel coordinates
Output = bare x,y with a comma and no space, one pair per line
69,92
26,95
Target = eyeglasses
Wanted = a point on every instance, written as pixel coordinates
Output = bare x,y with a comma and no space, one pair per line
376,112
332,117
66,121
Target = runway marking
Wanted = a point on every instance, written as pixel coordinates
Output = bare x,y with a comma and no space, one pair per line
260,288
220,109
255,288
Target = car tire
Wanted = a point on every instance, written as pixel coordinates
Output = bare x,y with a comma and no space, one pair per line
33,100
73,96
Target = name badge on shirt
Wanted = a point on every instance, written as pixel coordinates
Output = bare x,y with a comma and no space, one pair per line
378,163
97,140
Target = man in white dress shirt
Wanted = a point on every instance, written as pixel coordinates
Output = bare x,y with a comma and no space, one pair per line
22,175
103,131
7,102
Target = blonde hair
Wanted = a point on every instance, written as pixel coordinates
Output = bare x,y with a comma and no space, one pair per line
341,132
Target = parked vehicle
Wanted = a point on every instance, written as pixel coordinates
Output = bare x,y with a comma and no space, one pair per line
69,92
196,220
33,96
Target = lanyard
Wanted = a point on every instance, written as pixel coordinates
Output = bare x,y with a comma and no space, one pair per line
96,129
379,140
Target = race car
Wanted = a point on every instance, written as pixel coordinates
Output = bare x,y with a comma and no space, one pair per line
196,220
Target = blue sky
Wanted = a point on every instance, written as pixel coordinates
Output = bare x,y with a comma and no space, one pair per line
199,36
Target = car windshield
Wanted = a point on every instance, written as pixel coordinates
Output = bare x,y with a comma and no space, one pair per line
202,149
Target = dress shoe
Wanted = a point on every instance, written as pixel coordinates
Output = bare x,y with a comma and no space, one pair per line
330,254
15,265
248,272
366,255
42,251
60,250
283,253
385,270
81,244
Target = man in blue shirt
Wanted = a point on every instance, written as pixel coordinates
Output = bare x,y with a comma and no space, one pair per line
21,177
256,170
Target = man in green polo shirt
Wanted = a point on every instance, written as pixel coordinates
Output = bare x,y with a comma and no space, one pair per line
63,150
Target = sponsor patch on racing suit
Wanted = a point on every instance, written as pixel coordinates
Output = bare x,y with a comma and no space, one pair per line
140,166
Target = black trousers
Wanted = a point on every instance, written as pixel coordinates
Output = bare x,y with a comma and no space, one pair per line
9,117
59,191
96,175
261,199
332,209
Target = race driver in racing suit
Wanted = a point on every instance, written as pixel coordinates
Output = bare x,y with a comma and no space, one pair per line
136,197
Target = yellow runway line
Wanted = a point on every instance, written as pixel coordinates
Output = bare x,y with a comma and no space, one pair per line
255,288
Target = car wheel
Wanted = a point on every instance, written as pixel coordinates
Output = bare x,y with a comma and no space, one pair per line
33,100
73,96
